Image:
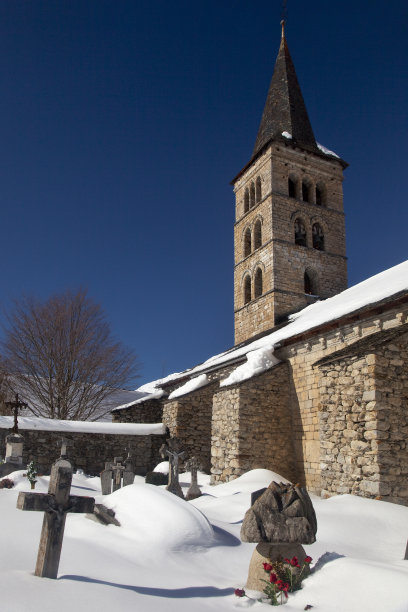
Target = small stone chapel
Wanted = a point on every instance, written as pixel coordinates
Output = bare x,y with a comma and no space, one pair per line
316,386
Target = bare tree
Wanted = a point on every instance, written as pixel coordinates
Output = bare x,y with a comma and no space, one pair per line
61,357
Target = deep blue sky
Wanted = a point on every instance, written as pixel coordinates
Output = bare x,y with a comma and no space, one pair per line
122,123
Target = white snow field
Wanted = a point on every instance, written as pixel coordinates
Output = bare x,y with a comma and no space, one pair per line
171,555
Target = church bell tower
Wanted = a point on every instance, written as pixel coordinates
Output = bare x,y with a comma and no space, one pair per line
289,230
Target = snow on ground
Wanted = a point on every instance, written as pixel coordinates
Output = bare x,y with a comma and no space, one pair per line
170,555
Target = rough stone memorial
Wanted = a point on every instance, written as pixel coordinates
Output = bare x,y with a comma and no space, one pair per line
280,520
55,506
173,450
116,474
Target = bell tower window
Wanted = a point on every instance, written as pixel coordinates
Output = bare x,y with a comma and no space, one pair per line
252,195
258,190
247,289
246,200
300,233
247,243
291,188
318,237
305,191
257,235
258,283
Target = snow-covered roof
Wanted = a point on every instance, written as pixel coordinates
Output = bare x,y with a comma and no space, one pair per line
259,353
40,424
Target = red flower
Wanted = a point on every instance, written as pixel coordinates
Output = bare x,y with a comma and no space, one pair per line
239,592
267,567
273,578
308,559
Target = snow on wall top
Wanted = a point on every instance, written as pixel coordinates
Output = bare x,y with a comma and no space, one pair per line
319,146
373,290
130,429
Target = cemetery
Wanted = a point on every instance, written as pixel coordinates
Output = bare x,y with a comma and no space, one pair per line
116,542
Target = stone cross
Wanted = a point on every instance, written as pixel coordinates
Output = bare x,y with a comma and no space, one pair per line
16,405
173,450
194,490
55,506
117,469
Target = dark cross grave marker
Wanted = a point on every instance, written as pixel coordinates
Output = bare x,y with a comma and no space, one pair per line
16,406
194,490
117,469
173,450
55,505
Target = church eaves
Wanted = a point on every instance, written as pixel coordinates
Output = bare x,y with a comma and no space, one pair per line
285,110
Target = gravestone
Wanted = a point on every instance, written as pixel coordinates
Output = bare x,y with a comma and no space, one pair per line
106,479
280,520
128,474
55,506
111,476
173,450
194,490
406,553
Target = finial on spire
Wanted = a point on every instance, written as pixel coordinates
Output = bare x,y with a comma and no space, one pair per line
283,28
283,17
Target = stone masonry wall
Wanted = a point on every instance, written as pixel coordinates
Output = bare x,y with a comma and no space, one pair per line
87,451
252,427
364,423
189,418
308,383
391,371
149,411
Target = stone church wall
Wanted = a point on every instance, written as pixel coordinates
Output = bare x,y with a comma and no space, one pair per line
252,427
364,423
189,418
87,451
149,411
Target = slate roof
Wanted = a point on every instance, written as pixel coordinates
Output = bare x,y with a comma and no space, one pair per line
285,109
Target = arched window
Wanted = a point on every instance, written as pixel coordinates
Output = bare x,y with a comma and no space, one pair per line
246,200
305,191
258,190
320,195
247,289
258,234
291,188
318,237
310,282
247,243
252,195
258,283
300,233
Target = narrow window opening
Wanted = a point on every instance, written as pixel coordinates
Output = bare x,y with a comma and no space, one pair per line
247,290
257,235
291,188
258,190
318,237
300,233
252,195
247,243
246,200
305,192
258,283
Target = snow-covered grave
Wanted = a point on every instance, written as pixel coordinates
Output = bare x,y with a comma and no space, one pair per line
170,554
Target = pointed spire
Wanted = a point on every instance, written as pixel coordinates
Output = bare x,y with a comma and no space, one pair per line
285,110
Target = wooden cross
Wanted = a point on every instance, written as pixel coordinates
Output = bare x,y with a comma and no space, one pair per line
16,405
55,505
